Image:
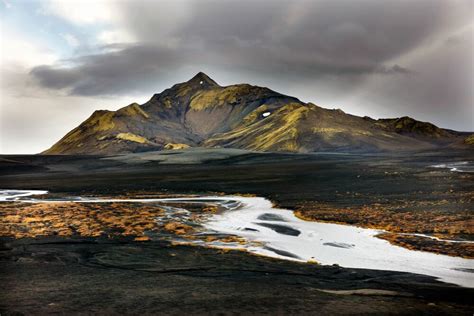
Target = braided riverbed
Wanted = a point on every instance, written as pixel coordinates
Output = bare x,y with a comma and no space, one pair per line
277,233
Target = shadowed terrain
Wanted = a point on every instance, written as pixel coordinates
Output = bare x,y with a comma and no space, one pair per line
98,276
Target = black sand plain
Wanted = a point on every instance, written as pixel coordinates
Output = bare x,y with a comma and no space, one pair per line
76,275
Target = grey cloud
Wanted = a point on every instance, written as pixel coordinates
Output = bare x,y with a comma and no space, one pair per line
132,69
139,67
303,38
330,48
396,69
56,78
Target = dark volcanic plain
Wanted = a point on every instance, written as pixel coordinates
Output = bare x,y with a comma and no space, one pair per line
100,275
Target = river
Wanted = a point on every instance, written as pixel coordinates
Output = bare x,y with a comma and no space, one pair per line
278,233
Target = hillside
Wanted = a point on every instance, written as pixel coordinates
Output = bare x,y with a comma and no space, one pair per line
201,113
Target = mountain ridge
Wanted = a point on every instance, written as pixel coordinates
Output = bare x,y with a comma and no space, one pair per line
201,113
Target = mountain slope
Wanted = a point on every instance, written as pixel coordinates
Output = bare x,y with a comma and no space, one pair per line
200,112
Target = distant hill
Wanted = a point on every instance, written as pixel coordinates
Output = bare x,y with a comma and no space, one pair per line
201,113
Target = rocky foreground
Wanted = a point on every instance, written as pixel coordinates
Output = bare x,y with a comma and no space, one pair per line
122,276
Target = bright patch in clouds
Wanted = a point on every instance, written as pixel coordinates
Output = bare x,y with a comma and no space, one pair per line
19,50
115,36
81,11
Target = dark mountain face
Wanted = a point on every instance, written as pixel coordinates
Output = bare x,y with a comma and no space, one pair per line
200,112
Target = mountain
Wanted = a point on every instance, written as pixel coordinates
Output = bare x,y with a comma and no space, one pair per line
201,113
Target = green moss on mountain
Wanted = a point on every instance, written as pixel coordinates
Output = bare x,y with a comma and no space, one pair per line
132,138
133,110
408,125
200,112
469,140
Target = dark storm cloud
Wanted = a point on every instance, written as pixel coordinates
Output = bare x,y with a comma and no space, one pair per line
133,68
309,39
137,68
56,78
343,31
372,57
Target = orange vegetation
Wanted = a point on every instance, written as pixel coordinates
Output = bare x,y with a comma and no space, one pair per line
22,220
420,216
465,250
391,218
178,228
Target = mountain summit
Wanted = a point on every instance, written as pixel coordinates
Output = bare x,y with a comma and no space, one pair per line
201,113
203,80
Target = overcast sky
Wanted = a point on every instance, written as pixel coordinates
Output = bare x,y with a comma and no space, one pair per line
61,60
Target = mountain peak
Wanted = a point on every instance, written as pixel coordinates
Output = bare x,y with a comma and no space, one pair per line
202,79
200,113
